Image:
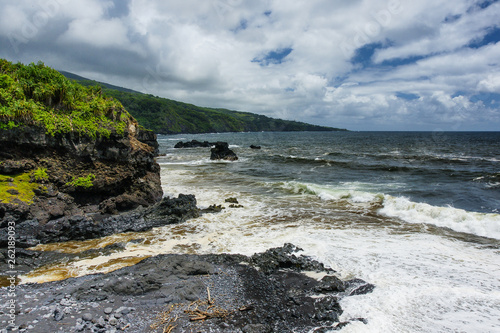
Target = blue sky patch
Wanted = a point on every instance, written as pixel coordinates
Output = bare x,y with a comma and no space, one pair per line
118,9
493,36
481,6
363,55
459,93
273,57
452,18
242,26
402,61
406,96
487,3
488,99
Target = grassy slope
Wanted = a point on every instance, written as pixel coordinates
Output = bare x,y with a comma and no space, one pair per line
41,96
167,116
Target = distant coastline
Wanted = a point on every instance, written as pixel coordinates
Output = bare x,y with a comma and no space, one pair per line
166,116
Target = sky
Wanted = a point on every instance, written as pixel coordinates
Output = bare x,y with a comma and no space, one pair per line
428,65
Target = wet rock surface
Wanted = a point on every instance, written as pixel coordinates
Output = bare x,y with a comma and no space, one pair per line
80,227
189,293
194,144
221,151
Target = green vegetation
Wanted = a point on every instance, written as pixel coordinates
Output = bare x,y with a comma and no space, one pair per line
40,174
167,116
38,95
17,187
83,182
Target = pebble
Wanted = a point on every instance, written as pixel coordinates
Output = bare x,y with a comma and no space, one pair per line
123,310
65,302
80,327
87,317
113,321
58,315
101,322
108,310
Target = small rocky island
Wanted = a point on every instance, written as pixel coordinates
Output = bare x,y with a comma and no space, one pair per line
219,151
76,165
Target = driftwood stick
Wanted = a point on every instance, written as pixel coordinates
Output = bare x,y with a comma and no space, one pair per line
169,328
209,299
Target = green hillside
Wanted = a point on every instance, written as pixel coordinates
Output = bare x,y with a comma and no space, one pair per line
165,116
38,95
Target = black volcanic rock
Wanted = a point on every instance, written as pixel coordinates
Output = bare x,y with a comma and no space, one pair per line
201,293
194,144
221,151
122,171
87,226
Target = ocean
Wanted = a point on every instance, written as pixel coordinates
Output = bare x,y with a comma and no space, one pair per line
414,213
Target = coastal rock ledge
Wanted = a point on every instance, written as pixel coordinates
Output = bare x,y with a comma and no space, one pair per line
48,177
266,292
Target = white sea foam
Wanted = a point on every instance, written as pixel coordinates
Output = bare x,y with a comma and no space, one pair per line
170,139
481,224
185,162
356,194
346,192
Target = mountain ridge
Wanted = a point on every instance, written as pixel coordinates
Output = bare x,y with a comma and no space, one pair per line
166,116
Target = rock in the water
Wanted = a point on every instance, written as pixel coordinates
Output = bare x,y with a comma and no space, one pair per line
331,283
221,151
232,200
283,258
255,147
193,144
213,209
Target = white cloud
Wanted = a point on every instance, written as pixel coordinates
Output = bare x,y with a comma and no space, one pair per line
12,19
490,84
202,52
98,33
444,37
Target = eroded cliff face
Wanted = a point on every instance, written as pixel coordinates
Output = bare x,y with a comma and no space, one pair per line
45,177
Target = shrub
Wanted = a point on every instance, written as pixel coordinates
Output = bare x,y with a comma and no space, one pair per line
38,95
83,182
40,174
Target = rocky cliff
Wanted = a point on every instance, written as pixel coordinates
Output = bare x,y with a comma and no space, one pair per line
69,150
47,177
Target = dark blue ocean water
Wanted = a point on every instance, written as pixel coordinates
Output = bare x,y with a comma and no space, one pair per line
457,169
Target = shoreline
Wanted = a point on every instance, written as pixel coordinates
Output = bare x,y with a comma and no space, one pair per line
226,293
